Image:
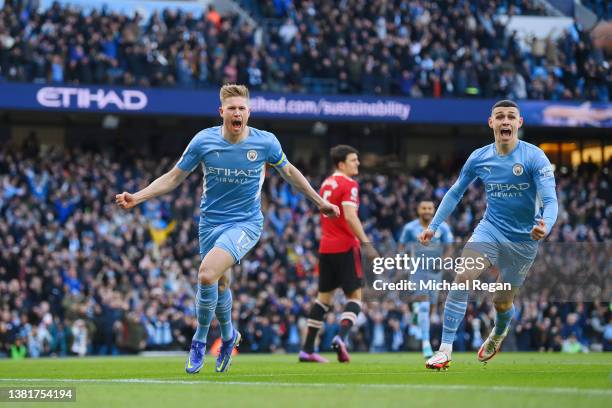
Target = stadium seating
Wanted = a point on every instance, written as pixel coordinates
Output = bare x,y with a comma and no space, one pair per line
79,276
415,49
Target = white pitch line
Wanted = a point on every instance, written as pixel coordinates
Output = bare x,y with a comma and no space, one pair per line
453,387
360,374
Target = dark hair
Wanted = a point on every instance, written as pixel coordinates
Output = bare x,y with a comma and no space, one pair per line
340,153
505,103
426,200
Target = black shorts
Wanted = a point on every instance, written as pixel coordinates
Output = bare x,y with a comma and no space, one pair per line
342,269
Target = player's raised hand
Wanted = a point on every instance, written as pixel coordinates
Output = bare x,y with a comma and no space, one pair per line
329,210
426,236
125,200
539,231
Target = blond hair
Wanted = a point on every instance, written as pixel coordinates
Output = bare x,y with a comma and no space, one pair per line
231,90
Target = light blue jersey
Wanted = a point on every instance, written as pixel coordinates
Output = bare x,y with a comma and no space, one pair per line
233,173
410,239
436,248
520,188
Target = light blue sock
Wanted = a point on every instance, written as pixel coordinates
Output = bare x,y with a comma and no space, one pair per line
206,301
423,314
224,314
454,312
502,320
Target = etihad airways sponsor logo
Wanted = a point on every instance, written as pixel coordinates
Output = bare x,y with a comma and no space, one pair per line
86,98
221,171
232,176
505,190
507,187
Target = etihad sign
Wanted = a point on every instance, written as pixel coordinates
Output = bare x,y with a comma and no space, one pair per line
506,187
85,98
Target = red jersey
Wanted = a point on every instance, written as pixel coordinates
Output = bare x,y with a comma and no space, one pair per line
336,235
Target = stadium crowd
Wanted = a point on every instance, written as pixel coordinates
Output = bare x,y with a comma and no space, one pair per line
601,8
79,276
415,49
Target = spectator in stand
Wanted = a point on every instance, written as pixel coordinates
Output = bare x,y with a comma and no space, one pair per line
412,48
94,281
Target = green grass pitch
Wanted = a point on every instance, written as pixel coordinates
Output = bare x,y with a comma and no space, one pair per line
370,380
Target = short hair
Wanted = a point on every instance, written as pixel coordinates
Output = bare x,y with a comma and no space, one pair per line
340,153
505,103
232,90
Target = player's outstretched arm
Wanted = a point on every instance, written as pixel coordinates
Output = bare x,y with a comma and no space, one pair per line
549,216
543,176
162,185
449,202
294,177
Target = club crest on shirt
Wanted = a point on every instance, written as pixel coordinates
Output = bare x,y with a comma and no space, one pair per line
252,155
517,169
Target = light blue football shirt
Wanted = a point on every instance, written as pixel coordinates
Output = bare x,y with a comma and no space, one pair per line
233,173
412,230
520,189
410,239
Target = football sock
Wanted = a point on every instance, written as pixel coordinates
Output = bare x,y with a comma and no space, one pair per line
423,313
315,322
348,317
502,320
476,336
206,302
446,348
224,314
454,311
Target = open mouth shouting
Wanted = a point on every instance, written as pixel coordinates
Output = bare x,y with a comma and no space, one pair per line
505,133
236,125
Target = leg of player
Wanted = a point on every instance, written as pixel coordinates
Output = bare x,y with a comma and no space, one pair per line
230,338
214,264
422,310
454,310
348,318
315,322
504,306
223,312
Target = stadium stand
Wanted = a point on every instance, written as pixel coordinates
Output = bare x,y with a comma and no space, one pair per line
601,8
415,49
79,276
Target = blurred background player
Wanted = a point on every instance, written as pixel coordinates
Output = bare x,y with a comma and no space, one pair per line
340,255
234,159
409,241
521,210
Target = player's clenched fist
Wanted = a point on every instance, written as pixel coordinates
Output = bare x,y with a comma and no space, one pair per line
539,231
329,210
125,200
426,236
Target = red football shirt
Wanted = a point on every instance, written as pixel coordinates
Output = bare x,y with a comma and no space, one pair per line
336,234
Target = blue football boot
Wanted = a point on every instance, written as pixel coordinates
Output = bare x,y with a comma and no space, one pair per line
225,354
195,359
